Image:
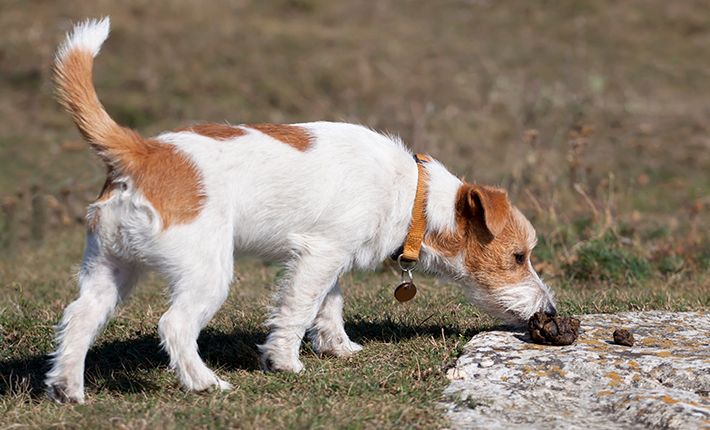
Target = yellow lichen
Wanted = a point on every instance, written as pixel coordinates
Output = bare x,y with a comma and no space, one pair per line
615,378
669,400
652,341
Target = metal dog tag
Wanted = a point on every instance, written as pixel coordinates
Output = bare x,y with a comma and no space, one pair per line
405,292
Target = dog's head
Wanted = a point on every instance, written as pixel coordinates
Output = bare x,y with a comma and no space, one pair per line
489,255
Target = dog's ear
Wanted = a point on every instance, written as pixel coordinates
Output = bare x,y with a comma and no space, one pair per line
484,206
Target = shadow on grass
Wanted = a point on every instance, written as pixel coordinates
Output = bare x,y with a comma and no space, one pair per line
129,366
120,360
390,331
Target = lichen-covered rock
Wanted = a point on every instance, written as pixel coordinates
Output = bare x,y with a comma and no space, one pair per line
661,382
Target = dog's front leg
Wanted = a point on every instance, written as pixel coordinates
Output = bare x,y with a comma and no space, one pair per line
304,290
328,334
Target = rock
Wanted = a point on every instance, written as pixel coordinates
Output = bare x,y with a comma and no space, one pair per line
486,363
663,382
455,373
623,337
548,330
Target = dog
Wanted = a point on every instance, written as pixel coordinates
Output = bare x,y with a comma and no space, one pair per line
320,198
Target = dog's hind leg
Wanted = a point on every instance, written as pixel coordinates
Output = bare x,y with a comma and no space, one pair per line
304,290
199,276
104,282
328,334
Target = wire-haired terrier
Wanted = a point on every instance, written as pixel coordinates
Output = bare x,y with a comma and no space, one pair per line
321,198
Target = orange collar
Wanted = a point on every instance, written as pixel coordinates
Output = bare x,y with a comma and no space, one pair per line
413,242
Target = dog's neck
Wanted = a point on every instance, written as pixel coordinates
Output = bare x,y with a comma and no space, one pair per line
441,198
440,212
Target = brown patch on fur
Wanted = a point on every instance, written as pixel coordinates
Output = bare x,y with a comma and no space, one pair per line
480,214
163,175
214,131
448,243
292,135
167,179
489,257
160,172
487,205
493,263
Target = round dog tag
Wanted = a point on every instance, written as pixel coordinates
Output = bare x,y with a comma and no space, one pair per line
405,292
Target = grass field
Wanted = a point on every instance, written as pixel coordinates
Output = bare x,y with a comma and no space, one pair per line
593,114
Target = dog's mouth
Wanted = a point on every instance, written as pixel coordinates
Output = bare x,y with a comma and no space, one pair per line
514,304
518,307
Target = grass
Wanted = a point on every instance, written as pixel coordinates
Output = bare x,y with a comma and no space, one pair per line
397,380
593,114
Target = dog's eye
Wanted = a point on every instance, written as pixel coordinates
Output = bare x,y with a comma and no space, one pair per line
519,259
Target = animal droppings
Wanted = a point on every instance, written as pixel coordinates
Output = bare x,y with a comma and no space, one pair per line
623,337
548,330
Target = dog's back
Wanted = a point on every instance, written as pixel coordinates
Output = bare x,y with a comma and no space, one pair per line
347,184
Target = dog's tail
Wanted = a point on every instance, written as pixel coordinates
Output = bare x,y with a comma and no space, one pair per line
75,91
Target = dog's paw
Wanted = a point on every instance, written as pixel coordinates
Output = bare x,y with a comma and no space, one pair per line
273,364
223,385
207,382
62,395
339,346
345,349
350,348
219,384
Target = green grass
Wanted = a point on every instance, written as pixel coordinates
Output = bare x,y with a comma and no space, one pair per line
605,259
593,114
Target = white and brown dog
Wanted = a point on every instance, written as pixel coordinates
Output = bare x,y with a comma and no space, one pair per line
321,198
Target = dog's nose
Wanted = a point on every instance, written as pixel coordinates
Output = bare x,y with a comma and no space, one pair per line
550,311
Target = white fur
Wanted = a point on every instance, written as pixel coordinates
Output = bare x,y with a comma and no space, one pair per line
88,35
516,303
345,202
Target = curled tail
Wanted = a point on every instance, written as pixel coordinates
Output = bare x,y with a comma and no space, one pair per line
75,91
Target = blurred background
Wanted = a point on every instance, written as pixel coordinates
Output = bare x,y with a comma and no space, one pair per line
593,114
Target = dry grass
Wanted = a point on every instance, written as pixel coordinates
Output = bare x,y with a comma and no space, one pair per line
593,114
